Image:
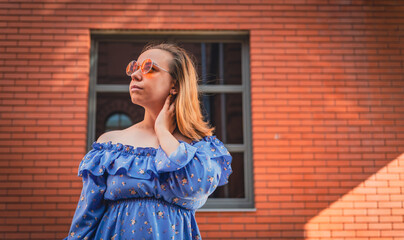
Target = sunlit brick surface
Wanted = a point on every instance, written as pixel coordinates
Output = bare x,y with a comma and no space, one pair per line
372,210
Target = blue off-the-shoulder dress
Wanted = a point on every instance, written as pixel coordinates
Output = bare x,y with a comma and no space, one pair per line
141,193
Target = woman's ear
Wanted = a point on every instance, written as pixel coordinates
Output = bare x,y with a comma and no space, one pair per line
174,88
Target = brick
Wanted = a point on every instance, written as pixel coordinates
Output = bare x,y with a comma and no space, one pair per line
257,227
319,234
391,219
375,226
232,227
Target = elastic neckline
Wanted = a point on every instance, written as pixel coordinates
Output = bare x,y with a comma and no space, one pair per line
138,150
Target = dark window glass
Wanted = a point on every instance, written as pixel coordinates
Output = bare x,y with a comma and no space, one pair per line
217,63
113,57
111,103
117,121
224,111
235,187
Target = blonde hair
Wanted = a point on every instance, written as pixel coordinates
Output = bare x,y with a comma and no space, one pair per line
188,112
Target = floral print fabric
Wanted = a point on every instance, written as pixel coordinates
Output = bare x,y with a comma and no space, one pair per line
141,193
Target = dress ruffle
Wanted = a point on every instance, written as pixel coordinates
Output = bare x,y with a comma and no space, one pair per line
148,162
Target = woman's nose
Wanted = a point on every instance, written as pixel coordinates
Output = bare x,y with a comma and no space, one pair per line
137,75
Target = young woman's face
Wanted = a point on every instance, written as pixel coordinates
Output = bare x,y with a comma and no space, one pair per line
154,86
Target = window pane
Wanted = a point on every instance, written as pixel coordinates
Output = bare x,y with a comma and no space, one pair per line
110,103
235,187
113,57
224,110
217,63
117,121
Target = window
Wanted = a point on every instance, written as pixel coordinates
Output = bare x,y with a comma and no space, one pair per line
117,121
223,67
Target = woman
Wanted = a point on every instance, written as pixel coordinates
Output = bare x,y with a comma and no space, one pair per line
146,181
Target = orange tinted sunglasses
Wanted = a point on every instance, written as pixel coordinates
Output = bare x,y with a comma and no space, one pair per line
146,66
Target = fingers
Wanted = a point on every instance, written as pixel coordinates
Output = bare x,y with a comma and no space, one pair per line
168,99
172,105
167,103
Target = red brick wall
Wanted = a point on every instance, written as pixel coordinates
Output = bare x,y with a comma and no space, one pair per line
326,78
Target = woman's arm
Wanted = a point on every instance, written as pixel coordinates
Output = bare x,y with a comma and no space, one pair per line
165,125
188,173
167,141
192,172
90,207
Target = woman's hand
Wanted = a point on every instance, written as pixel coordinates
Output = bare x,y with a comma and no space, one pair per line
165,125
165,121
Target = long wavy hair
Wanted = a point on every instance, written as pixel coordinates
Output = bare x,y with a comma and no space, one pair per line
188,111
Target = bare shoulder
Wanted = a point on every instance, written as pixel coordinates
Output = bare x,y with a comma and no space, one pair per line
136,137
108,136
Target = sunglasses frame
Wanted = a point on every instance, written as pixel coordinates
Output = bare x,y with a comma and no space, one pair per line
128,67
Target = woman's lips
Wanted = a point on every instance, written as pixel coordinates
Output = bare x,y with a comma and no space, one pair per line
135,88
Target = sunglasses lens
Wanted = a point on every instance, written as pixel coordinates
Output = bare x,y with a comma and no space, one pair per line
147,66
131,68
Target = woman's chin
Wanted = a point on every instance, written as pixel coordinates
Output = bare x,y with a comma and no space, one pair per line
136,102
